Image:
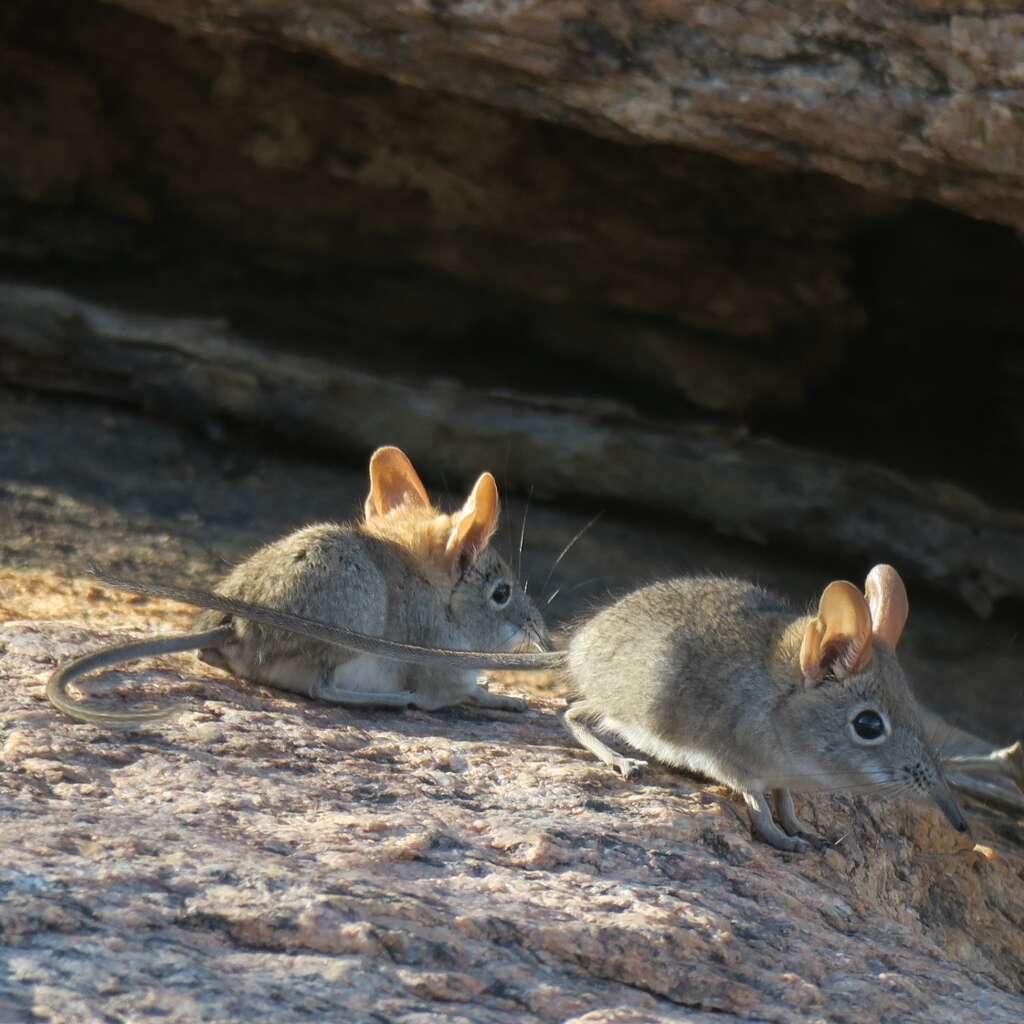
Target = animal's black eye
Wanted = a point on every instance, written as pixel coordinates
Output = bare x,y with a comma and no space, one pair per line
501,594
869,725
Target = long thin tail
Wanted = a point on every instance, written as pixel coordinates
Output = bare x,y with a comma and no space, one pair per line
105,657
336,635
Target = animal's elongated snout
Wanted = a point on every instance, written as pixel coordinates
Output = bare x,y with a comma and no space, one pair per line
943,796
527,640
534,635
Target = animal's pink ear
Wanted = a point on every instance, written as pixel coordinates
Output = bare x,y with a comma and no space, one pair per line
474,524
838,639
887,599
393,483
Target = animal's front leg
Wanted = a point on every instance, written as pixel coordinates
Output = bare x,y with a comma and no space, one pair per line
576,719
764,826
786,813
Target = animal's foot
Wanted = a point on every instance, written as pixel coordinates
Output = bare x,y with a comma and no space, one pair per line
813,840
795,838
482,698
791,844
630,768
503,703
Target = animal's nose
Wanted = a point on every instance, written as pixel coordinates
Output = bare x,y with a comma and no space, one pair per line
949,807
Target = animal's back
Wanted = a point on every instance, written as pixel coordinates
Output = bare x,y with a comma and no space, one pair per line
678,658
330,572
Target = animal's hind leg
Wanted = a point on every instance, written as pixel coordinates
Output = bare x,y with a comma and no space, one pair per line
346,684
367,682
481,697
401,699
575,719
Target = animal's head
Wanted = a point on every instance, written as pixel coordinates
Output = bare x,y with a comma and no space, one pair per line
483,598
856,720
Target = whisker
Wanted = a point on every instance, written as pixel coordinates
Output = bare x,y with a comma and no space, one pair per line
880,789
829,780
576,586
849,784
568,547
522,532
875,775
507,527
825,786
849,773
940,746
883,792
889,790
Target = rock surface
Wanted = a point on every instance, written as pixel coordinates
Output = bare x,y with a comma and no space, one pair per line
517,222
267,857
264,856
123,130
918,97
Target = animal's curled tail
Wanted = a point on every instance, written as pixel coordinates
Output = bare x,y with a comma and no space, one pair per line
106,657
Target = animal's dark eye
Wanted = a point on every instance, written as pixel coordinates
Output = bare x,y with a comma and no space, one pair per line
869,725
501,594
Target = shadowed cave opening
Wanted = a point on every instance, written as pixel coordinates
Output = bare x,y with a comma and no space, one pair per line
930,385
933,383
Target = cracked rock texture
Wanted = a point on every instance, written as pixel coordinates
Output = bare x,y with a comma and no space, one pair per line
269,858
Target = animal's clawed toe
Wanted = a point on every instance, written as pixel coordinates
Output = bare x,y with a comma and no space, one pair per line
1010,762
796,844
813,840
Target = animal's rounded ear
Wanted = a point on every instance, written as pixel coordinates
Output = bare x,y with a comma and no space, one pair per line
838,638
393,483
474,524
887,599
